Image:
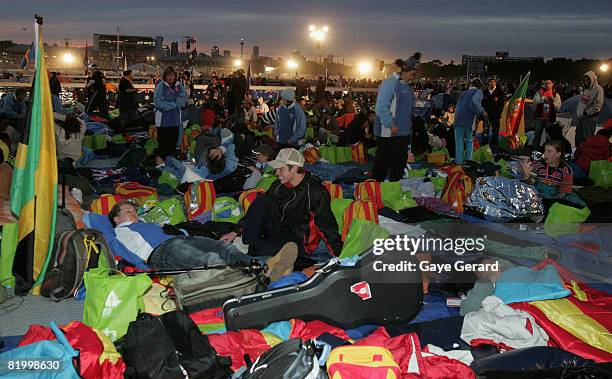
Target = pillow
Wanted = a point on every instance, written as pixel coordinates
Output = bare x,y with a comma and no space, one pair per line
103,224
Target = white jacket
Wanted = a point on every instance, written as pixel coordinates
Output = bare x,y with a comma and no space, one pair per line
591,99
502,325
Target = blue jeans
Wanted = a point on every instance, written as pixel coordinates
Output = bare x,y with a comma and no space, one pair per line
186,252
540,126
463,133
177,168
86,156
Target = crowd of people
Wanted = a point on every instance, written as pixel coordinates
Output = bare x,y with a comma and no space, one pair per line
232,152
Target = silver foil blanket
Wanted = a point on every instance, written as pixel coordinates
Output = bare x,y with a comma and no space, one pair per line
501,199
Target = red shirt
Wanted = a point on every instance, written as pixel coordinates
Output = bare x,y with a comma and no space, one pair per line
560,176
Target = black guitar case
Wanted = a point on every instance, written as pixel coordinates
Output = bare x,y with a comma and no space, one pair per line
341,296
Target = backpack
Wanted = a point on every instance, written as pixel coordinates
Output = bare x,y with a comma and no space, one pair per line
457,188
358,210
199,198
292,359
369,190
170,346
362,362
335,190
247,198
74,252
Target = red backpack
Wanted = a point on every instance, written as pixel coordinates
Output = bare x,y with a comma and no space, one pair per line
457,188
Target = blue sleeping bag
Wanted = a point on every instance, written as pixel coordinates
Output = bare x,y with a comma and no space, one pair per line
524,284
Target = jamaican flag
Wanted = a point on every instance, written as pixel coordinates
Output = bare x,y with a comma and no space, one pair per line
34,185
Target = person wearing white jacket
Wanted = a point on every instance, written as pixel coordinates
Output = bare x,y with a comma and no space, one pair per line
589,106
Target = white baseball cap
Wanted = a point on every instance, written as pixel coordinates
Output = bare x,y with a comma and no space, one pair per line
288,156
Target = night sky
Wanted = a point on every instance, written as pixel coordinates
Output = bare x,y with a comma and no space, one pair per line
385,29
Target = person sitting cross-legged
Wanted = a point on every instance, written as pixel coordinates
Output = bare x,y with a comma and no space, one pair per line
294,214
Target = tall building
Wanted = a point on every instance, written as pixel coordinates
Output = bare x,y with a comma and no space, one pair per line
226,53
159,47
174,48
214,51
255,54
165,51
133,48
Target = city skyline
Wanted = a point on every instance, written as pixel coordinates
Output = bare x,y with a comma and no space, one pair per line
358,29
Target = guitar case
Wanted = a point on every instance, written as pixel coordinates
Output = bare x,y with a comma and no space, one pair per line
342,296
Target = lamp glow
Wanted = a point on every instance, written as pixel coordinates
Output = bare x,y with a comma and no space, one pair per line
364,67
292,64
68,58
237,63
604,67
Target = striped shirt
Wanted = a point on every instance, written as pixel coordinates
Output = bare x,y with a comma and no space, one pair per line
561,176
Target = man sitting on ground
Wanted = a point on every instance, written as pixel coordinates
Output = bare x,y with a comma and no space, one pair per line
293,215
165,252
14,106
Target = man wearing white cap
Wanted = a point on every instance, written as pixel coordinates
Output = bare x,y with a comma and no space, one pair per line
294,213
289,120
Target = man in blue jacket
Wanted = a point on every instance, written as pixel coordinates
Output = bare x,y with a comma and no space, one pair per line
393,125
469,108
14,106
289,121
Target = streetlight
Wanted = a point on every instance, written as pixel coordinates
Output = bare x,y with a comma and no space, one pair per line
364,68
604,67
292,64
318,36
68,58
237,63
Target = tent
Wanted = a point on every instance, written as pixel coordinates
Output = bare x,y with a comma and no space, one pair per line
570,105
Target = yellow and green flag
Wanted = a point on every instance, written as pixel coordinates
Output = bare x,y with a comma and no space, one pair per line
34,185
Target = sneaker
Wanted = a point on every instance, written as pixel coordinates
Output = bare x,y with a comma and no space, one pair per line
282,263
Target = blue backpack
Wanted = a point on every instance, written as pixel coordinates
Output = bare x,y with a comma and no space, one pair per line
43,359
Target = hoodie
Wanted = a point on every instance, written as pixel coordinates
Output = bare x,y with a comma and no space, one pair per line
468,108
168,103
307,212
394,106
591,99
595,148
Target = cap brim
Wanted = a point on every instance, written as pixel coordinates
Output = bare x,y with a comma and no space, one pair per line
277,164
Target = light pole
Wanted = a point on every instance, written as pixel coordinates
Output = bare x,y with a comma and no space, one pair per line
318,37
241,47
604,70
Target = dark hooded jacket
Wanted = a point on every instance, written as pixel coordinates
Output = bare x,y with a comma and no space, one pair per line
305,210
